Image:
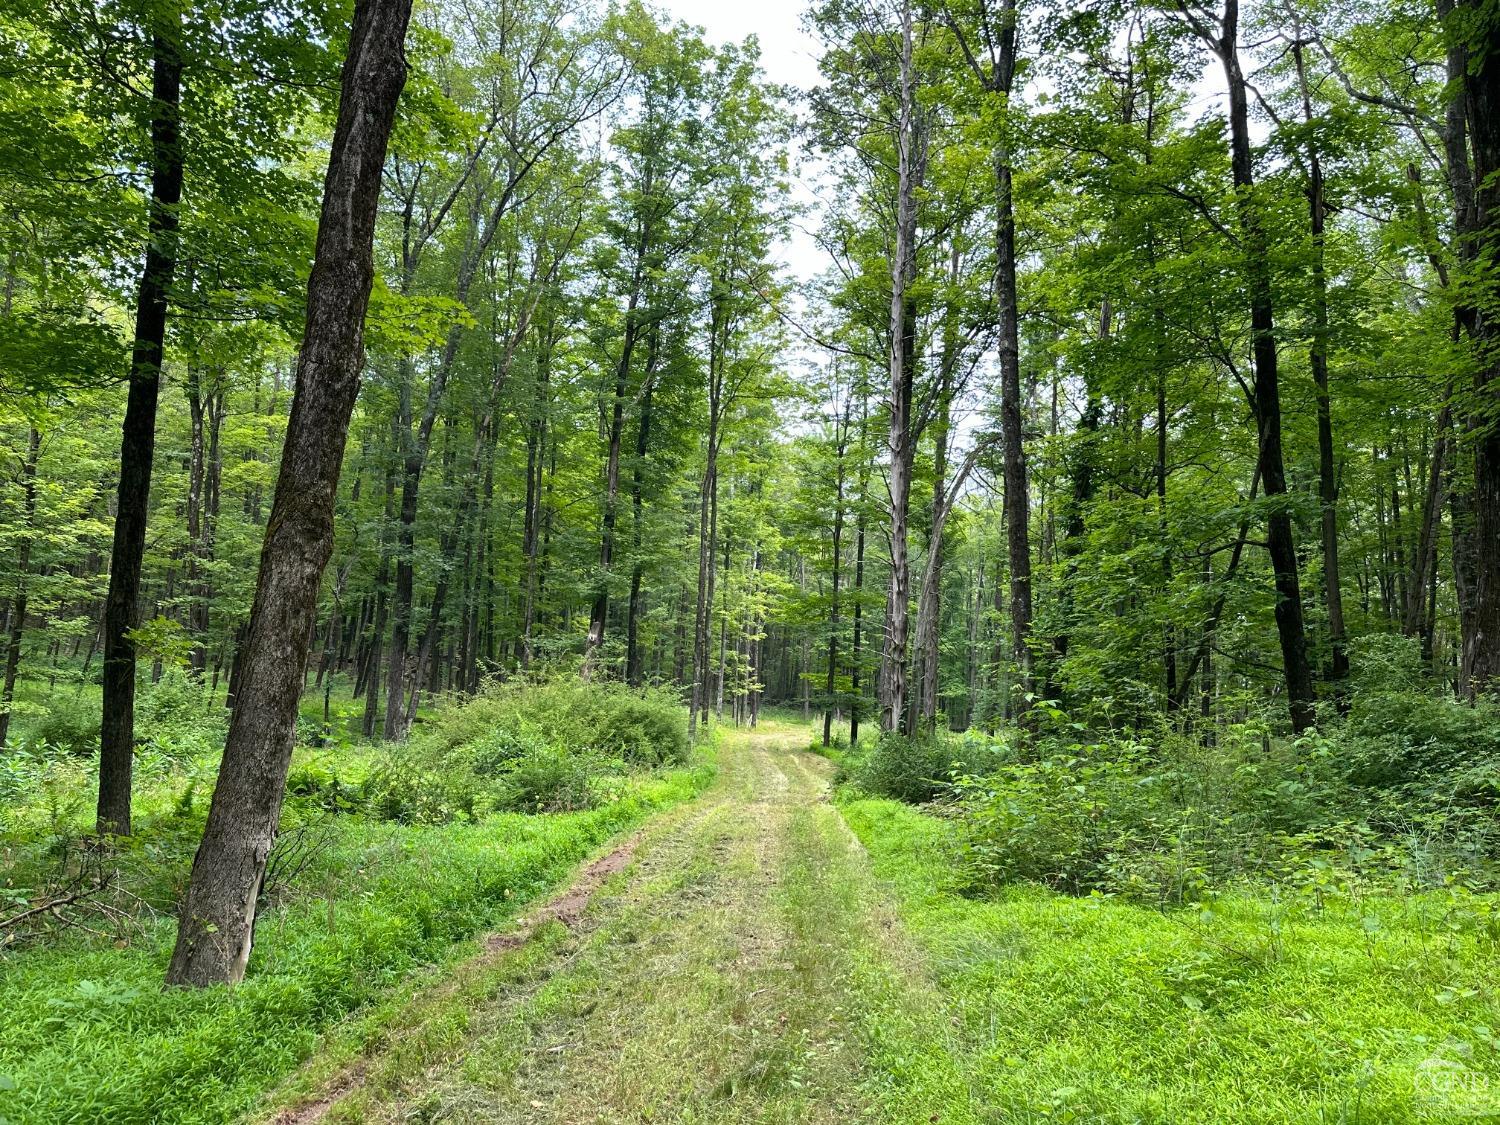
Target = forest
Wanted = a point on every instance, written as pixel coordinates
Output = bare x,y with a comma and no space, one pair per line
550,573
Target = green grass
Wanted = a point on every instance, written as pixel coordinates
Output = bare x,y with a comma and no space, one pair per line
1255,1008
88,1035
735,973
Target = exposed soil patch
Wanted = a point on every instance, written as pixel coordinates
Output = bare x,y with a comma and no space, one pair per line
569,906
314,1111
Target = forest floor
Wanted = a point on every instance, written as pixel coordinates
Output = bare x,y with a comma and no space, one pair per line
733,962
762,954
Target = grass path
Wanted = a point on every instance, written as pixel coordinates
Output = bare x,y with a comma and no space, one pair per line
743,967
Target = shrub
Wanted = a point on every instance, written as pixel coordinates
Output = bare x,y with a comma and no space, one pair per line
1417,741
526,746
493,754
178,718
1160,821
316,780
550,780
914,770
412,789
649,728
1057,821
68,725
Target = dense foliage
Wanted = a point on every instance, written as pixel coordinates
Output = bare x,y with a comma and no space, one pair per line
373,877
567,450
1126,476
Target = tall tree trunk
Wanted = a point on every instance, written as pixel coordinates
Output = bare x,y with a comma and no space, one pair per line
903,326
208,531
1017,503
634,672
856,651
927,628
426,661
1081,471
1328,488
923,704
599,611
1424,562
217,919
1475,22
1169,637
1000,698
830,688
486,575
371,674
413,461
18,606
536,451
708,512
723,632
138,434
1267,387
197,473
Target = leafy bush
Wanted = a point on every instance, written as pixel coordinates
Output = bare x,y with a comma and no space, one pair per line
1419,742
526,747
1055,821
423,788
1161,821
69,725
316,780
914,770
1405,787
648,728
550,780
179,718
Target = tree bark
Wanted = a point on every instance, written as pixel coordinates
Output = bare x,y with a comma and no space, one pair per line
18,606
599,611
923,704
1081,473
1328,489
708,509
1424,562
1481,100
830,687
902,376
536,449
138,434
1169,636
1017,502
856,651
1280,541
217,921
634,671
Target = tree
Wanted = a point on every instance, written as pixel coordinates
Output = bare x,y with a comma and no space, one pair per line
138,434
1223,40
1473,28
217,921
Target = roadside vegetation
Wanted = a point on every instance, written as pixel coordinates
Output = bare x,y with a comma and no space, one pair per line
387,857
420,420
1164,924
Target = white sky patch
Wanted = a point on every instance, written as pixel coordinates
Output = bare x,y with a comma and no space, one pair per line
789,56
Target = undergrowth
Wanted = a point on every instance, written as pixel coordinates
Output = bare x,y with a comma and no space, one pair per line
1265,1005
358,895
